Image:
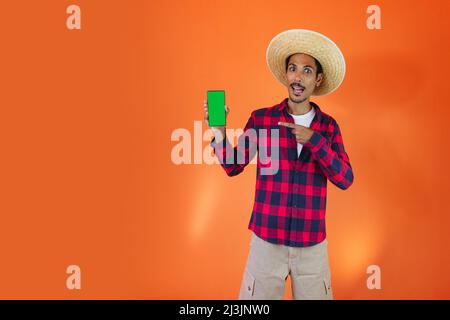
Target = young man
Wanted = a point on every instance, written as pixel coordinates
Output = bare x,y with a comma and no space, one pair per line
288,217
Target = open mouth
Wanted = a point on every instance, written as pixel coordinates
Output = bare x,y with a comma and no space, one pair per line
297,89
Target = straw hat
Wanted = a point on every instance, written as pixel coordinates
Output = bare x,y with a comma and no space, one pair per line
314,44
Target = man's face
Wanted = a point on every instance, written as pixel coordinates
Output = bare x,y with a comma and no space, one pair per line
302,77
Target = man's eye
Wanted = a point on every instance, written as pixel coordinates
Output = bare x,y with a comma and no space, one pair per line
308,70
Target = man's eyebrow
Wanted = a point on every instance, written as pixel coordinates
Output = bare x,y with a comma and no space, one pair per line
306,65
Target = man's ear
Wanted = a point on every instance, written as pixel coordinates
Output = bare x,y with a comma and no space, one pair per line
319,79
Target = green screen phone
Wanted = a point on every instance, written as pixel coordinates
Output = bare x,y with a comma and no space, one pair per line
216,108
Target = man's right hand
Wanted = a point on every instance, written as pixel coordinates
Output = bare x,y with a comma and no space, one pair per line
219,131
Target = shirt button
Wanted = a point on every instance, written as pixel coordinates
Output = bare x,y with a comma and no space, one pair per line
249,288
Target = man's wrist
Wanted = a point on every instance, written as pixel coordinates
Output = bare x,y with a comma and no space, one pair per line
219,133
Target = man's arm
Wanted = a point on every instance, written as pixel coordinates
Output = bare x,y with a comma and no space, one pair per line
332,157
234,159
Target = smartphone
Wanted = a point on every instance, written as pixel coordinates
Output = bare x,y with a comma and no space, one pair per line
216,107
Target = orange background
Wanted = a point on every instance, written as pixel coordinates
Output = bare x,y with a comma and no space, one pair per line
86,120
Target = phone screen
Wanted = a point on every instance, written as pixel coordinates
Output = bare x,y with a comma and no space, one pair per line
216,107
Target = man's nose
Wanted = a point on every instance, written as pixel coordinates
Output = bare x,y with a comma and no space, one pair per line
298,77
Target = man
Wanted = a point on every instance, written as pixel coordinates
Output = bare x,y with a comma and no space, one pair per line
288,217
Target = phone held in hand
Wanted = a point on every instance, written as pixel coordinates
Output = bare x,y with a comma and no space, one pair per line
216,108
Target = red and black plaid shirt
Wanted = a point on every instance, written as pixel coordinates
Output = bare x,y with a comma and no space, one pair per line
289,206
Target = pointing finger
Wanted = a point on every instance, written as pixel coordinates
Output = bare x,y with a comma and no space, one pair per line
287,124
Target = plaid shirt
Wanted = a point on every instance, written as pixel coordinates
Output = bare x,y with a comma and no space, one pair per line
289,206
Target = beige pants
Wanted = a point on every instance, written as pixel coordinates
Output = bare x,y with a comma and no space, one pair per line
268,266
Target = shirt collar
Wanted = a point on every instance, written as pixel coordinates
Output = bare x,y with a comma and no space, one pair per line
283,107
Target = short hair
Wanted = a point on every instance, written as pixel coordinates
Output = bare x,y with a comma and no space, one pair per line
318,65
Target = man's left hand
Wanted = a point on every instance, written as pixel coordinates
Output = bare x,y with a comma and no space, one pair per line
302,134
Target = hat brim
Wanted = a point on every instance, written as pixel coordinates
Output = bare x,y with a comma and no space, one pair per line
314,44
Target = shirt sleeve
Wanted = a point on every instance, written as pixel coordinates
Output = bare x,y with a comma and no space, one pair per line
332,157
234,159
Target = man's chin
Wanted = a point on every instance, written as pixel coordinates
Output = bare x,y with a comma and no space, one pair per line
297,99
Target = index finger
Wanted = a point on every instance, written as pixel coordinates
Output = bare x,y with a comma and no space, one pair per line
287,124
